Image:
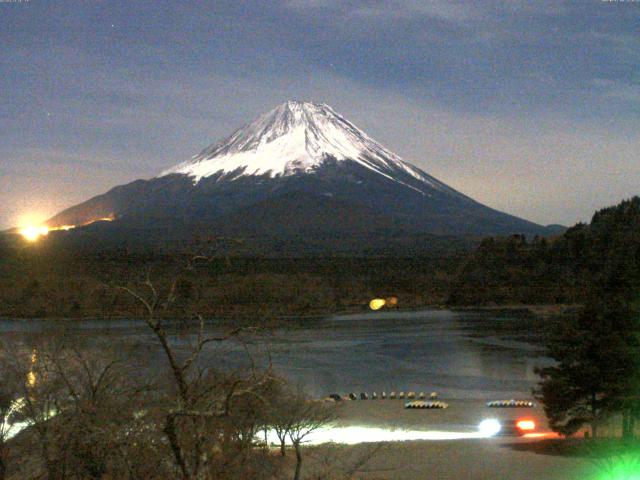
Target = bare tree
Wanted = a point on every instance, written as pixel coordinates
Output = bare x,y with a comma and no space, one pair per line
97,410
342,462
77,402
41,394
210,418
9,400
100,408
6,404
307,416
280,418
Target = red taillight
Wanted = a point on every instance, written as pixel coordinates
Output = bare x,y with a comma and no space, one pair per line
526,425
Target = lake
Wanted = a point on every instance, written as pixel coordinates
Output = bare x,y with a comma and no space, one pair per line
464,355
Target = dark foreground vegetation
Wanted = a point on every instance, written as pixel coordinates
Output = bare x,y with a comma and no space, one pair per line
614,458
560,270
597,375
36,283
95,411
595,382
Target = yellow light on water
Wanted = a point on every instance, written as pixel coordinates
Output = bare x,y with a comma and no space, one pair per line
377,303
31,376
392,301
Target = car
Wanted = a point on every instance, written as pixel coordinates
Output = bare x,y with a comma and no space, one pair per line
516,427
506,427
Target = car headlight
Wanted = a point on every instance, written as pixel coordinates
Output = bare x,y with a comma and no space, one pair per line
489,427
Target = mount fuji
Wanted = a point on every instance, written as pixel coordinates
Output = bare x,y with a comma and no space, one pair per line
298,172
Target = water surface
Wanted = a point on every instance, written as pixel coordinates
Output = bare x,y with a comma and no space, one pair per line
463,355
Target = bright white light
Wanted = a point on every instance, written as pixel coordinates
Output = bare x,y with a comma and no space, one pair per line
11,429
355,435
489,427
33,233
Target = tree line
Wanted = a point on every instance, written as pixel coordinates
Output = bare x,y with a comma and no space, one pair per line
597,352
564,269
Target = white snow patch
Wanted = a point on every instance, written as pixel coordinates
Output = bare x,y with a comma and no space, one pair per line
297,137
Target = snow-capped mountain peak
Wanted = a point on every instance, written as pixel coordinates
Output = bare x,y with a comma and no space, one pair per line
300,179
296,137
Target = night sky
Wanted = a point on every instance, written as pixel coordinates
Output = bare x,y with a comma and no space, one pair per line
530,107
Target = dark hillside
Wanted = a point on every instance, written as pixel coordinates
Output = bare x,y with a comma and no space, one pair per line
605,252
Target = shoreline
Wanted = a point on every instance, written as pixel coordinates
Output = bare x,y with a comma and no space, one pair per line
542,310
443,444
463,415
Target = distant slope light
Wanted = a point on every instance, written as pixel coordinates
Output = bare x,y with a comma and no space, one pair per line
32,233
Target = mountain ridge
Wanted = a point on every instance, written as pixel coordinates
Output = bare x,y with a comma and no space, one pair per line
346,181
296,137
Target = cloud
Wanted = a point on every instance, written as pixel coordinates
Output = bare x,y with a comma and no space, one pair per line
450,11
618,90
507,101
453,11
523,165
311,4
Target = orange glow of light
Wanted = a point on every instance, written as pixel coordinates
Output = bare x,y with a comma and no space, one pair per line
392,301
31,376
34,232
526,425
542,435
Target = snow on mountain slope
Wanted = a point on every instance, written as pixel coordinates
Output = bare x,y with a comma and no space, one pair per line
300,177
297,137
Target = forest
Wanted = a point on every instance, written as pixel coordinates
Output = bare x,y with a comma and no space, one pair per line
39,281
